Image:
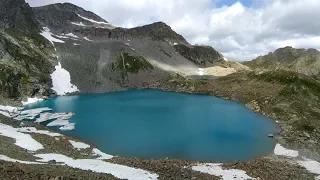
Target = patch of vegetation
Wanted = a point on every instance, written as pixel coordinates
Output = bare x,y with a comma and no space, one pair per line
126,63
294,81
305,126
9,81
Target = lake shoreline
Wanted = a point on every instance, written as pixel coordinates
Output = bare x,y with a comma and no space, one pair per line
271,166
145,114
166,168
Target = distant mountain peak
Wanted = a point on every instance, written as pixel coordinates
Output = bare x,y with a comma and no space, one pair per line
305,61
65,15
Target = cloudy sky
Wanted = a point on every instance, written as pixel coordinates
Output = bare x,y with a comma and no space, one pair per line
240,29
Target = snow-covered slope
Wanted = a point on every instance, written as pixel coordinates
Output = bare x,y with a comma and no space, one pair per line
61,81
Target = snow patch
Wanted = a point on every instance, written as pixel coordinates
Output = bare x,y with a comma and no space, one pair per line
87,39
50,116
68,127
62,36
93,21
201,71
68,36
24,141
216,170
311,165
175,44
100,166
78,24
35,131
5,113
281,151
8,159
31,113
72,35
76,44
79,145
8,111
58,122
48,35
128,44
31,101
102,156
225,59
61,81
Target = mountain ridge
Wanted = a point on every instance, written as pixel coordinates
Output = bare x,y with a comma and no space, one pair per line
305,61
104,44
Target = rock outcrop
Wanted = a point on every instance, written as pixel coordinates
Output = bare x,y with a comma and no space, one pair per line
203,56
18,15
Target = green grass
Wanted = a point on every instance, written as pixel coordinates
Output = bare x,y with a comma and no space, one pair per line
126,63
294,81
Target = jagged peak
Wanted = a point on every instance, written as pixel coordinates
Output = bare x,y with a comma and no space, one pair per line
161,31
71,8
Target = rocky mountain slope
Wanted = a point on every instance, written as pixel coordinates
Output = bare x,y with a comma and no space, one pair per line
101,57
305,61
26,58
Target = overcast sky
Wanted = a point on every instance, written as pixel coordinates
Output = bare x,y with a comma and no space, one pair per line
241,30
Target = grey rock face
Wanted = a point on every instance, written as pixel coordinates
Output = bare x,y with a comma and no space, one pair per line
204,56
93,64
60,16
18,15
93,67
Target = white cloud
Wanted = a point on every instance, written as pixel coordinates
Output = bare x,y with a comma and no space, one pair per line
239,32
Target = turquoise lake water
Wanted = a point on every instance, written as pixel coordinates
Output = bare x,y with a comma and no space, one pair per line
157,124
